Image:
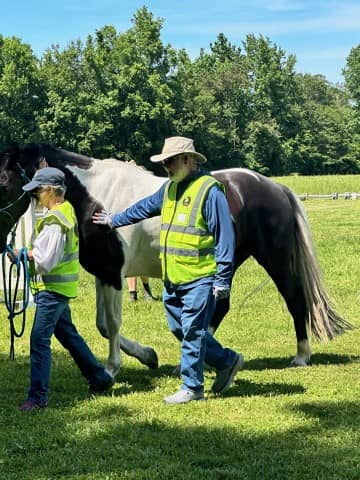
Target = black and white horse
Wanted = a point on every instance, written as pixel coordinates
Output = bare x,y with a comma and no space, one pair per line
269,222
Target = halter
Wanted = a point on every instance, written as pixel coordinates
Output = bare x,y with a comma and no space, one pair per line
14,202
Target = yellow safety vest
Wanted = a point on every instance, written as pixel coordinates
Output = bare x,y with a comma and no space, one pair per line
64,277
187,249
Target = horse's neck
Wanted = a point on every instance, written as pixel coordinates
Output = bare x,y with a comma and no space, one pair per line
117,184
79,196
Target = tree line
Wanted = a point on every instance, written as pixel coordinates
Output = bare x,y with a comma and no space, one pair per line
120,94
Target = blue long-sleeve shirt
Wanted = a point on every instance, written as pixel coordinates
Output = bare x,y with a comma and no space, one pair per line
216,213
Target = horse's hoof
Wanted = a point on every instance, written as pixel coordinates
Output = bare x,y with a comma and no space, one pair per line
112,370
298,362
152,360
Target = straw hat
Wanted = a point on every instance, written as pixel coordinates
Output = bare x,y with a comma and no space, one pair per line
176,145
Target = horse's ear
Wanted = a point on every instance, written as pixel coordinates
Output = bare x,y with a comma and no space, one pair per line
9,157
6,161
33,154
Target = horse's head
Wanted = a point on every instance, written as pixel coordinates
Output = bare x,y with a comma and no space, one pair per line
17,166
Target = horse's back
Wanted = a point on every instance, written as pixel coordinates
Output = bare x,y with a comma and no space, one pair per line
262,210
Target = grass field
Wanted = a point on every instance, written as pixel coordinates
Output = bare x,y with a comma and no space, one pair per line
275,423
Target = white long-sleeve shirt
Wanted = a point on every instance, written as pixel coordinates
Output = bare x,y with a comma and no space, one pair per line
48,248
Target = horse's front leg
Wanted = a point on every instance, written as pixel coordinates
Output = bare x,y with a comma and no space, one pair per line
108,322
146,355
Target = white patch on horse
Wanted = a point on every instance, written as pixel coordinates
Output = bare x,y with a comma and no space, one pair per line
303,354
118,185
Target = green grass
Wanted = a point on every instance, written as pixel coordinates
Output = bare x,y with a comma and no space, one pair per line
274,423
322,184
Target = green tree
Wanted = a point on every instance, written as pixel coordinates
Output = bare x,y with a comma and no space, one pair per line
212,101
21,92
62,73
352,82
111,96
352,75
322,142
274,105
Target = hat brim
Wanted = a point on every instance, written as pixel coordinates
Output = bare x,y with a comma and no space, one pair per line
163,156
33,185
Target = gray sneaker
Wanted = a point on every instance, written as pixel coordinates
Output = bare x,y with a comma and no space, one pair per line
224,378
183,396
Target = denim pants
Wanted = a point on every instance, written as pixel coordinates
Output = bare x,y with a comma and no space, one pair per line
188,312
53,316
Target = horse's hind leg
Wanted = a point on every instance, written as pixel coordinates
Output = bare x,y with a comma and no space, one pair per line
280,271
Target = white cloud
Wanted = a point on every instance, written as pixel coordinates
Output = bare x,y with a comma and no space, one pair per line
331,17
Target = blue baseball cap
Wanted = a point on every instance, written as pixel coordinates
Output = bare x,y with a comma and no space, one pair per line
44,177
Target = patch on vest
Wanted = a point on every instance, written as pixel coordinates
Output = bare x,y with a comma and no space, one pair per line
181,217
186,201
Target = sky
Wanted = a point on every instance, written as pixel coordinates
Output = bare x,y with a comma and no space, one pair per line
320,33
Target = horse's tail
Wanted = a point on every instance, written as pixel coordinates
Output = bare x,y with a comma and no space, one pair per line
322,319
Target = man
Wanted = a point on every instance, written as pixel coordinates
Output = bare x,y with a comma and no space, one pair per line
196,250
54,266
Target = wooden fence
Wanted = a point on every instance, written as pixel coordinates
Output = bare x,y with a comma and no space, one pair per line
331,196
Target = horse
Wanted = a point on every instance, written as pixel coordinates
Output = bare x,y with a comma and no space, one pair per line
269,221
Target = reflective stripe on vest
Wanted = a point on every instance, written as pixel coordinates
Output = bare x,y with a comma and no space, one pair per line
187,250
70,277
64,277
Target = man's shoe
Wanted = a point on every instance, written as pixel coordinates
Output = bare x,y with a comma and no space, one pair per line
101,388
224,378
183,396
30,406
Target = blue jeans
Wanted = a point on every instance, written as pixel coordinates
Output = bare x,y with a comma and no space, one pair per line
53,316
188,312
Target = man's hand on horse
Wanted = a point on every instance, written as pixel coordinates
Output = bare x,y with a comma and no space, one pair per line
102,218
220,293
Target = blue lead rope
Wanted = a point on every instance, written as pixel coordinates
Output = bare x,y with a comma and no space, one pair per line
19,265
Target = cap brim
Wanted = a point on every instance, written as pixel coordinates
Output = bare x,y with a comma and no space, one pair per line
163,156
28,187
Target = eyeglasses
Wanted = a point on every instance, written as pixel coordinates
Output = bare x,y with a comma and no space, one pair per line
167,162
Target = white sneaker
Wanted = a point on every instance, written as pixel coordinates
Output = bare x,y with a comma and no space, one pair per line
224,378
183,396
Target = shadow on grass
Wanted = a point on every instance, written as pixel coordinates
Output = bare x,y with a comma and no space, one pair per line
112,442
138,380
68,386
98,440
277,363
245,388
141,379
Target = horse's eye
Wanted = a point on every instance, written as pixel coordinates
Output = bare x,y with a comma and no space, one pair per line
4,179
